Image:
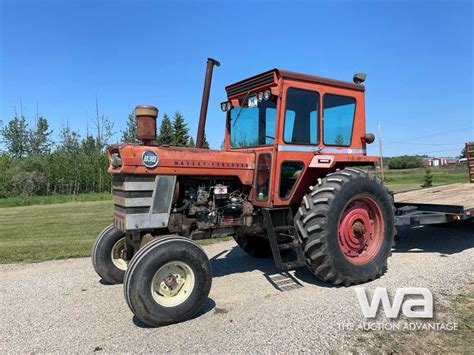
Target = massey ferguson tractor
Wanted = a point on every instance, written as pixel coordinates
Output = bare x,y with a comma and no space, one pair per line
285,184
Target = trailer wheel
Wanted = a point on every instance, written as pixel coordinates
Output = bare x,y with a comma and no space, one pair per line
254,245
346,224
107,255
167,281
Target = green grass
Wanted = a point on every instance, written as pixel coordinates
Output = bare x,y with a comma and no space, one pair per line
59,231
411,179
53,199
44,232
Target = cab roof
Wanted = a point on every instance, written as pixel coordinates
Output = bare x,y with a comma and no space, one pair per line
272,76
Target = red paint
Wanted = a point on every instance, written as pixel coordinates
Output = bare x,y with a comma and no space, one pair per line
361,229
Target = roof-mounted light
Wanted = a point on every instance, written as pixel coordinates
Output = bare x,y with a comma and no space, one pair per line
267,95
226,106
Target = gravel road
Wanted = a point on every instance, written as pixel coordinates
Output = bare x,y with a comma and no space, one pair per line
62,305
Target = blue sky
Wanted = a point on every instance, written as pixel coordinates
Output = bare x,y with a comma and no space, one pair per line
418,56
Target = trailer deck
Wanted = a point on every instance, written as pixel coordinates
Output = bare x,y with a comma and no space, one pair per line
440,204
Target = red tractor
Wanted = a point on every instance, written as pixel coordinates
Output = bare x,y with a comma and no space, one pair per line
286,184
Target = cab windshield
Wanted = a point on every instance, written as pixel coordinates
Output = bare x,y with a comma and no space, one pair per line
253,126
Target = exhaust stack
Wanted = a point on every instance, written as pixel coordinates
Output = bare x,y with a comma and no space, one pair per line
146,123
205,100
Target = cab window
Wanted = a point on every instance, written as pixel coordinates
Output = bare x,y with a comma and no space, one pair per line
264,165
301,116
290,173
338,118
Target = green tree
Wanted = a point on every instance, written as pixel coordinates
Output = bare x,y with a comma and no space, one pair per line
405,162
69,140
89,145
427,178
180,130
339,140
463,153
15,137
165,135
191,143
39,140
129,135
205,143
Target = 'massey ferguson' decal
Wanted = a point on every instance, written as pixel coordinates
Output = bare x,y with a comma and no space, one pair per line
150,159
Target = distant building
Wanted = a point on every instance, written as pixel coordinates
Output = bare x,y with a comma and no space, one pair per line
433,161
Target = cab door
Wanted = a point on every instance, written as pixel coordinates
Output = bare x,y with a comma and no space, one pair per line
298,139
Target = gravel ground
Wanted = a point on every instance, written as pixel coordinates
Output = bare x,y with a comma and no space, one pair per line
62,305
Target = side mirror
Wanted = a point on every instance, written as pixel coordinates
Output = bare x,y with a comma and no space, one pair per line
359,78
369,138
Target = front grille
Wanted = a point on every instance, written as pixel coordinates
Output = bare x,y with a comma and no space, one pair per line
142,202
132,194
252,83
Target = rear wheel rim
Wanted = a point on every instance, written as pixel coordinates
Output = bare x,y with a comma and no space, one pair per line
361,229
172,284
117,253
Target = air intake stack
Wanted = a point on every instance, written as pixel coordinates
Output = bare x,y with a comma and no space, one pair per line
146,123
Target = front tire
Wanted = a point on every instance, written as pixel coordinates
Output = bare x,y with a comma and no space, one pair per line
167,281
106,255
346,224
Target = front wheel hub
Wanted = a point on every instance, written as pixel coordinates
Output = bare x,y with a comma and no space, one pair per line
172,284
361,228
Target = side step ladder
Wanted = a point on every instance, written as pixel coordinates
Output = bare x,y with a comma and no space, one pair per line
280,221
470,160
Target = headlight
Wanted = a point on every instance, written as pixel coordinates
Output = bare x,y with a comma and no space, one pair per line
115,160
226,106
267,95
260,96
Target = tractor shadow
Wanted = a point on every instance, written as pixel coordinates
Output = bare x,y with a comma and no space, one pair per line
234,260
444,239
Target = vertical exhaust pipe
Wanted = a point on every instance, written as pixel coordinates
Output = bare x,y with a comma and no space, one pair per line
205,100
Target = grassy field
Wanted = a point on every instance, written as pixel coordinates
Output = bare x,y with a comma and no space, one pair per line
43,232
411,179
49,200
58,231
52,227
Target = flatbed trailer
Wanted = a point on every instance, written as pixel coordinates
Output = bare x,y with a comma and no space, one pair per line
435,205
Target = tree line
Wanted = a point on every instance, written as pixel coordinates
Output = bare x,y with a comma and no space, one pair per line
33,163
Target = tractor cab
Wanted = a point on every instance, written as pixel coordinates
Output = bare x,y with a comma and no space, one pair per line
294,123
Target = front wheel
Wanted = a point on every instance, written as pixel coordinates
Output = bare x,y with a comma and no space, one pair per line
167,281
346,224
107,255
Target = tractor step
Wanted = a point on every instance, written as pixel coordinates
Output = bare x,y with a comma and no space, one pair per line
280,221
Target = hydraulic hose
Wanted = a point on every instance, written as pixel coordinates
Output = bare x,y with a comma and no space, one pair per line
182,208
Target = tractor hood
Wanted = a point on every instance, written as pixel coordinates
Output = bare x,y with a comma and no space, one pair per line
164,160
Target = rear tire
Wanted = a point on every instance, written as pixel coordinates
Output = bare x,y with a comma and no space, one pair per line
106,255
346,224
167,281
